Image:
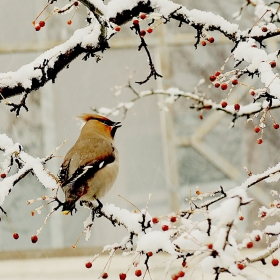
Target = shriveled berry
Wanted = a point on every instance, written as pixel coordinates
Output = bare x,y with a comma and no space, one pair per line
257,129
257,238
217,85
273,64
276,125
201,117
218,73
150,30
203,43
275,262
122,276
260,141
252,93
42,23
69,22
224,86
3,175
212,78
264,29
263,214
37,27
224,104
117,28
250,245
142,33
155,220
165,227
88,265
15,235
104,275
210,246
138,272
236,107
241,218
76,3
235,82
143,16
34,238
211,40
173,219
174,277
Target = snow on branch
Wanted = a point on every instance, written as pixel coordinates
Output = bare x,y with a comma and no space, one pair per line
102,20
15,156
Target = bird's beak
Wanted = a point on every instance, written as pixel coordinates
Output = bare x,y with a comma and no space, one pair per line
65,212
117,124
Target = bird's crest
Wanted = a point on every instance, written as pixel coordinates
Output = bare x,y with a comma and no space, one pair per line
87,116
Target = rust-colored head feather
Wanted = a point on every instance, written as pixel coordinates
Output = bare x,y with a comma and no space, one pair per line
87,116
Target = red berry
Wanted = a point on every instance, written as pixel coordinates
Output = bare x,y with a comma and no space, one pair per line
211,40
150,254
241,218
122,276
173,219
224,86
15,235
150,30
117,28
155,220
260,142
250,245
252,93
264,29
234,82
143,16
184,264
135,22
138,272
276,125
210,246
76,3
217,85
42,23
88,265
257,129
181,273
3,175
142,33
212,78
236,107
273,64
34,238
224,104
275,262
104,275
257,238
165,227
218,73
37,27
201,117
69,22
203,43
175,277
240,266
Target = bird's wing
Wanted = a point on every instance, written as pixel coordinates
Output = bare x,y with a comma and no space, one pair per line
84,171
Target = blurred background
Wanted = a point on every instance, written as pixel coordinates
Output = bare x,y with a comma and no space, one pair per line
168,154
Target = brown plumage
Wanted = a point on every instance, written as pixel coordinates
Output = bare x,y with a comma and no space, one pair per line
91,166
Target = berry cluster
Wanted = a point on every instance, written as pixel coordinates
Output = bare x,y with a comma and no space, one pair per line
210,40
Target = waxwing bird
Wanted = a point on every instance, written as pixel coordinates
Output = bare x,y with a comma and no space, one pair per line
91,166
